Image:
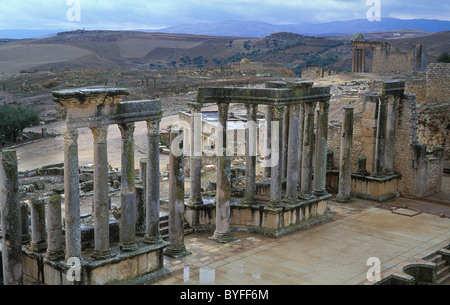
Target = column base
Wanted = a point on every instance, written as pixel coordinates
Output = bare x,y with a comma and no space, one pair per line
195,201
306,196
26,239
319,193
222,237
102,254
129,247
342,199
176,253
290,200
274,203
37,247
153,240
248,200
54,255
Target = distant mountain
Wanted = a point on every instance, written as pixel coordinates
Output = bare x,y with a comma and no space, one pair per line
261,29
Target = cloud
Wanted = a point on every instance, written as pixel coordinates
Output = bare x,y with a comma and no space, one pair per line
139,14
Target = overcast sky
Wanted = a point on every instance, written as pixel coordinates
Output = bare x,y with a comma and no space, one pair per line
152,14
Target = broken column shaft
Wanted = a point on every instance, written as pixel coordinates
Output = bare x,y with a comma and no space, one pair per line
176,249
345,165
26,236
153,235
55,250
128,192
10,217
101,198
38,231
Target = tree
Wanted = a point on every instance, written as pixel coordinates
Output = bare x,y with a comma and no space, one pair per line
14,120
444,57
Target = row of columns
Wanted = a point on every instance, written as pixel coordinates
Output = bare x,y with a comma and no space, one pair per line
359,60
289,155
101,198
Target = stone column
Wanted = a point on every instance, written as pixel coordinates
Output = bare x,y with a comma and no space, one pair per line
300,142
72,195
140,210
101,198
196,154
308,150
250,152
38,232
292,160
222,233
277,149
55,250
345,164
10,219
26,236
285,144
176,248
128,192
153,235
389,161
381,137
320,167
268,141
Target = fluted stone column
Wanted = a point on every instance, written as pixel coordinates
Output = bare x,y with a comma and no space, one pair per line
55,250
38,231
276,159
292,160
345,165
26,236
381,137
101,198
250,152
268,141
72,195
320,167
153,235
176,248
128,192
222,233
10,218
308,150
196,154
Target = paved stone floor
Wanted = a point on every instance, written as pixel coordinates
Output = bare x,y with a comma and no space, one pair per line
334,252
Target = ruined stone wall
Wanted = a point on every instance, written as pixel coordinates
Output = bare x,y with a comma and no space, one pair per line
405,137
312,72
417,87
438,78
334,140
387,58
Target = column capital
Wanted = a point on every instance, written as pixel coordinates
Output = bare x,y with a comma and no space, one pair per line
195,107
278,112
71,136
223,109
100,133
127,130
153,127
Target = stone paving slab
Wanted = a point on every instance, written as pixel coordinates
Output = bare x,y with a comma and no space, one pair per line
335,252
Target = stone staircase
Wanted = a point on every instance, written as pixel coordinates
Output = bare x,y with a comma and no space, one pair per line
442,268
164,227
